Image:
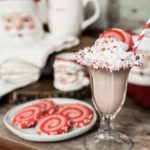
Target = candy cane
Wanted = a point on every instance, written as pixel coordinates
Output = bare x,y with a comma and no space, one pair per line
146,27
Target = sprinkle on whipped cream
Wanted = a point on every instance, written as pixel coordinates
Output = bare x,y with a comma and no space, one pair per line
110,54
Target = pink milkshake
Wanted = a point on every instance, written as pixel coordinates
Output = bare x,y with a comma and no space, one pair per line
109,61
109,89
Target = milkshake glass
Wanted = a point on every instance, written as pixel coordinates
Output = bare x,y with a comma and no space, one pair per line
108,89
109,93
109,62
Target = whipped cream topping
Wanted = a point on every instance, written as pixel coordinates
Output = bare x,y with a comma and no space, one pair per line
109,53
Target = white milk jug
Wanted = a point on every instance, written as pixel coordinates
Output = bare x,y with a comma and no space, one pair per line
66,17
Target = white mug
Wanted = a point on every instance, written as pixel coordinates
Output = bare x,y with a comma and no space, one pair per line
66,17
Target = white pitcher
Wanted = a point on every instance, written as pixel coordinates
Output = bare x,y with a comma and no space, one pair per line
66,17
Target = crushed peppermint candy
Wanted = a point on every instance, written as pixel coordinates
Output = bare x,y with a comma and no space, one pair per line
110,54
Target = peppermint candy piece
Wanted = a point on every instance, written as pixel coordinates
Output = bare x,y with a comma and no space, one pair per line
53,125
27,117
113,33
47,106
79,114
127,37
120,35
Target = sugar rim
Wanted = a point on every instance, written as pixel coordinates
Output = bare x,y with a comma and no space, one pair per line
97,64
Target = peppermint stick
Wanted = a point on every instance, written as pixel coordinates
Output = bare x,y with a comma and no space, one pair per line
136,45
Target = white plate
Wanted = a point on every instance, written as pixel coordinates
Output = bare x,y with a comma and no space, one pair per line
30,134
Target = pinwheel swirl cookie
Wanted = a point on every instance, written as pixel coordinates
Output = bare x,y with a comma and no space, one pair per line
79,114
27,117
53,125
50,118
47,106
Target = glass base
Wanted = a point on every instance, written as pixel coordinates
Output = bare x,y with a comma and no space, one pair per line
111,140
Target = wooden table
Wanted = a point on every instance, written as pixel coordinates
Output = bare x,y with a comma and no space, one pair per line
132,120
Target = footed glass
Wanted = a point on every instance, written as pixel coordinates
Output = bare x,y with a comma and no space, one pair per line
109,93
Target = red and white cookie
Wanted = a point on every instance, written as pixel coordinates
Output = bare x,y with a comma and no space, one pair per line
79,114
53,124
120,35
47,106
27,117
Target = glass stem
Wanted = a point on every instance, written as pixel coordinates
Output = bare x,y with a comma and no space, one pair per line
105,123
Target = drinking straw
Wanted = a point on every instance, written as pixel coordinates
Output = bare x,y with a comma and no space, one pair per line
140,37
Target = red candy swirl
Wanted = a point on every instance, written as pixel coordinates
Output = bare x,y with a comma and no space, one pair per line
53,125
27,117
47,106
79,115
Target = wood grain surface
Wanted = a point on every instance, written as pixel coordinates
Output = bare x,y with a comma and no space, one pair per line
132,120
